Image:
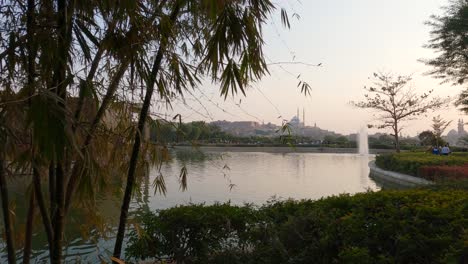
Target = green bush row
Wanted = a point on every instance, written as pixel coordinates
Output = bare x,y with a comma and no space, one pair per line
412,226
411,162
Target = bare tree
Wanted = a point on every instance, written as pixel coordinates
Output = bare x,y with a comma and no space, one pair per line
396,102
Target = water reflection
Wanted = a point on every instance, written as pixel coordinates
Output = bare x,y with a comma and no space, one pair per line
257,177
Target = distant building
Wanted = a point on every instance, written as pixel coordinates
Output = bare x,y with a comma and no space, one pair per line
453,136
250,128
296,121
300,128
461,128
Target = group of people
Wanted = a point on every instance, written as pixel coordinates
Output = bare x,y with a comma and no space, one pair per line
445,150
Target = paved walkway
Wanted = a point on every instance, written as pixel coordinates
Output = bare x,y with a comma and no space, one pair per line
396,177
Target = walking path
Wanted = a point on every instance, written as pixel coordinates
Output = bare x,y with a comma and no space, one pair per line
396,177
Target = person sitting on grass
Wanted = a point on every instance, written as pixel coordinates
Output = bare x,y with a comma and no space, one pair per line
435,150
445,150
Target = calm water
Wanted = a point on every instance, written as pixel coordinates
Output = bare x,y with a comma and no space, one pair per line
238,177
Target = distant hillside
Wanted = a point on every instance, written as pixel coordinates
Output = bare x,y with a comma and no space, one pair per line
251,128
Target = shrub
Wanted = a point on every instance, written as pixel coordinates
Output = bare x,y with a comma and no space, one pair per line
412,226
411,162
193,233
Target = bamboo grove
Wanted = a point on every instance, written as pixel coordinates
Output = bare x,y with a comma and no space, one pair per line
79,80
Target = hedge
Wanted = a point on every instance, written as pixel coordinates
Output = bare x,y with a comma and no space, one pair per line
411,226
411,162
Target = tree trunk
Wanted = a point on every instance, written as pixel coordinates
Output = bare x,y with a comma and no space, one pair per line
31,89
52,180
134,158
58,215
43,210
136,146
64,19
397,138
6,216
29,230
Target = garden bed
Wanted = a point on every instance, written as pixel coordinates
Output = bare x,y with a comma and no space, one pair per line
443,173
426,165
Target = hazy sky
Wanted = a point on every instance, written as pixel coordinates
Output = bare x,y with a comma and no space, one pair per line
353,39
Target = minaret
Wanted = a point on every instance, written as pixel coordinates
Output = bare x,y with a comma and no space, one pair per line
303,117
461,127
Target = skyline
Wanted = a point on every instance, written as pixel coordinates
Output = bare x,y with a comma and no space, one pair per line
351,41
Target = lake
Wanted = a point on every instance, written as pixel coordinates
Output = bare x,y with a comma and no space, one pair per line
217,175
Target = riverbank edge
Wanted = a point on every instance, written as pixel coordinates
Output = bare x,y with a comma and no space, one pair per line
396,177
274,149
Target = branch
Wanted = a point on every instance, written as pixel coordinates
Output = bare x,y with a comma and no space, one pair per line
296,62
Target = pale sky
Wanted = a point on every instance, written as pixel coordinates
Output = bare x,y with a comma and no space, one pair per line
353,39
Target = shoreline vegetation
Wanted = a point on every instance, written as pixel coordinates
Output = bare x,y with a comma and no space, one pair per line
426,224
428,166
274,148
423,225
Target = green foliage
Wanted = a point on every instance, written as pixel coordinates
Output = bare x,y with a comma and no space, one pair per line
186,155
411,162
434,137
168,132
428,138
412,226
338,141
194,233
101,51
449,38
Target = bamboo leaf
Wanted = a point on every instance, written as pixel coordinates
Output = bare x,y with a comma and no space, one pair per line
284,18
119,261
86,31
183,178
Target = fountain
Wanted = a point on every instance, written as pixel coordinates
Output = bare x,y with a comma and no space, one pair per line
363,142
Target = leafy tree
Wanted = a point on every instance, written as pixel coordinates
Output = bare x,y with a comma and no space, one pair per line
427,138
329,139
73,74
434,137
386,139
449,38
409,141
439,125
219,39
463,141
163,132
62,65
395,102
342,140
